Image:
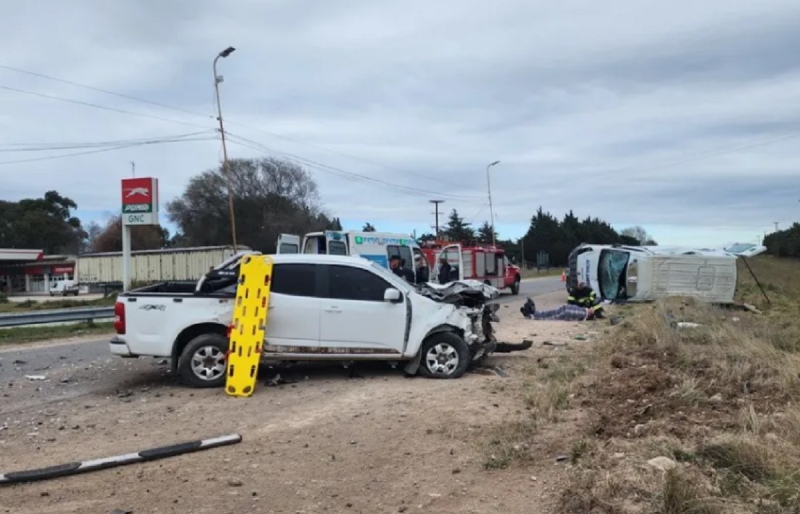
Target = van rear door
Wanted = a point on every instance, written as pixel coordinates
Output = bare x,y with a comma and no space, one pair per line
336,243
288,243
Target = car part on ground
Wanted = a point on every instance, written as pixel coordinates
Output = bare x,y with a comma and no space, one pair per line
73,468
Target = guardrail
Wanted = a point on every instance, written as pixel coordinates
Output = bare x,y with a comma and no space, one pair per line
56,316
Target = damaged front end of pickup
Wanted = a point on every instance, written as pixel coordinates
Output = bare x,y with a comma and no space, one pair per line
475,310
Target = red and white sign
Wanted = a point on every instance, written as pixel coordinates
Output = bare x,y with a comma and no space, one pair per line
140,201
57,270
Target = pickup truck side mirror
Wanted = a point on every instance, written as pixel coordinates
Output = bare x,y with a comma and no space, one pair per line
392,295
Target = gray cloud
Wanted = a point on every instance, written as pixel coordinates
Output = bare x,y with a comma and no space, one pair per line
670,113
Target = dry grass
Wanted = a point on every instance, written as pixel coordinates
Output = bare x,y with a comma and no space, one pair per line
719,400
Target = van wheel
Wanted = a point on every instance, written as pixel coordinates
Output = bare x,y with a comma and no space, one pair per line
515,286
444,355
203,362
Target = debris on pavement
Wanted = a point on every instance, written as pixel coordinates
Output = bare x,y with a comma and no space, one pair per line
36,377
513,347
277,380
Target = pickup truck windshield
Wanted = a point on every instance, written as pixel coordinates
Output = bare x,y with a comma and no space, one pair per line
611,272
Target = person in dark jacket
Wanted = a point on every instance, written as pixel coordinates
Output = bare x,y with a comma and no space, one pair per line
444,270
423,273
584,296
395,264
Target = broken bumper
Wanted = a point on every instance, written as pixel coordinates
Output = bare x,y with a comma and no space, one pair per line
118,346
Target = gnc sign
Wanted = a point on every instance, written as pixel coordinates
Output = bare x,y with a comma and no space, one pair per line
140,201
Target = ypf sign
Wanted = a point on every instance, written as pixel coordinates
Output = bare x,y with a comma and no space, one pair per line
140,201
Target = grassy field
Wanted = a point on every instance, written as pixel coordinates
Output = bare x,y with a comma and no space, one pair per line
17,335
700,420
9,307
532,273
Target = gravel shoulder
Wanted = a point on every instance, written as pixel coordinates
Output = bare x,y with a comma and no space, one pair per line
322,442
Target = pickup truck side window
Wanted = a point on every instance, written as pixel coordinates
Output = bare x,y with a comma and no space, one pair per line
294,279
349,283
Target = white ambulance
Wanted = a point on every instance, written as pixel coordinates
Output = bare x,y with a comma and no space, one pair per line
375,246
645,273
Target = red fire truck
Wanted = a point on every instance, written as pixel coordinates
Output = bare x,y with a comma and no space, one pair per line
471,261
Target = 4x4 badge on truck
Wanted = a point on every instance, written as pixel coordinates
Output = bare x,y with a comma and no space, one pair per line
152,307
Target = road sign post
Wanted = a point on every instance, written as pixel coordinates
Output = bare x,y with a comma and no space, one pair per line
139,207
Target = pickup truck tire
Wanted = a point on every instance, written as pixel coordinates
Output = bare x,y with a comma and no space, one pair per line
202,361
515,286
444,355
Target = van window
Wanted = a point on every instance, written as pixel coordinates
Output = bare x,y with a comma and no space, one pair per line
404,252
288,248
337,248
611,272
313,245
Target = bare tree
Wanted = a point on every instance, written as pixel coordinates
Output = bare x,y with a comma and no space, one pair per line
271,196
640,234
109,238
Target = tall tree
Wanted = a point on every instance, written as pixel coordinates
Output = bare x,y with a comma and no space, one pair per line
457,229
271,197
146,237
368,227
45,223
485,233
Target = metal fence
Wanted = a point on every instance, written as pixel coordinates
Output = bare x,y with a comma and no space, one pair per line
56,316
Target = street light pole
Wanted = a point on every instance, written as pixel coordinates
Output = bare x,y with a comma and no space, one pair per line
225,167
489,187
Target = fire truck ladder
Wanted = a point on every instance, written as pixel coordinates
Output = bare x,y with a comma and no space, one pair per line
247,332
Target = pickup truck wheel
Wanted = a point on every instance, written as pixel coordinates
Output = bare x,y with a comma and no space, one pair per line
515,286
444,355
202,361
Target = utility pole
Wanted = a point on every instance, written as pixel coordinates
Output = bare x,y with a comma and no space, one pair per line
436,213
225,167
489,187
133,169
776,225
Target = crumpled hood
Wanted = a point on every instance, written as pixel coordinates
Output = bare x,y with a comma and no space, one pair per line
461,292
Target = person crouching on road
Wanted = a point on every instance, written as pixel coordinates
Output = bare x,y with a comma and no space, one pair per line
565,312
584,296
399,270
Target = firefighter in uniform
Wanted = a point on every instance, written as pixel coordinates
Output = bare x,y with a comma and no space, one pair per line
584,296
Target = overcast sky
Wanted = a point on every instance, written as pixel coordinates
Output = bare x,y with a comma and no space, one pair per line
682,117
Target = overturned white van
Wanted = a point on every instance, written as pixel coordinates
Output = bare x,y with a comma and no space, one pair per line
646,273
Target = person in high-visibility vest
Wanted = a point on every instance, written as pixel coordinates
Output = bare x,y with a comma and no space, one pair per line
584,296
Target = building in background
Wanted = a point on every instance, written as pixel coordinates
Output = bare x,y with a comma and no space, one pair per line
30,271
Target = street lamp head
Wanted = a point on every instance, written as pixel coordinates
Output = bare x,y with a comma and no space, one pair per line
495,162
228,51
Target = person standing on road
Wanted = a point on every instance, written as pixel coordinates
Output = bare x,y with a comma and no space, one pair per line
395,264
423,273
444,270
565,312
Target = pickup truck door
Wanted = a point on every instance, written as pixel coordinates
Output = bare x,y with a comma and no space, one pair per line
288,243
294,307
454,257
354,314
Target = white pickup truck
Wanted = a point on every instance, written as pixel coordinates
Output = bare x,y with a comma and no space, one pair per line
322,307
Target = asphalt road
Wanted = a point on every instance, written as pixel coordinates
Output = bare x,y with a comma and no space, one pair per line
61,360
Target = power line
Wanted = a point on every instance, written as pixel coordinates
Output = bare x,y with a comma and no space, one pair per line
345,174
98,106
99,150
234,123
101,90
46,147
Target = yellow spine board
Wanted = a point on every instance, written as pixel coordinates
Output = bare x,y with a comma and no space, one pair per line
249,324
